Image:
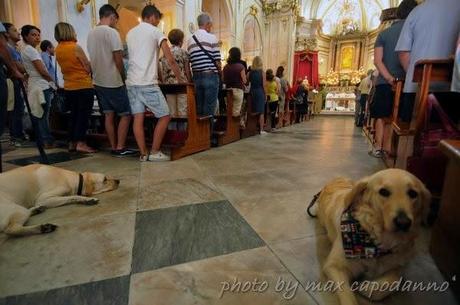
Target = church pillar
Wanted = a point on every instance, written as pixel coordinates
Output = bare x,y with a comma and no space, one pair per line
280,29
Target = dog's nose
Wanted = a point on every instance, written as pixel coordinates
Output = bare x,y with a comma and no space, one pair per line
402,222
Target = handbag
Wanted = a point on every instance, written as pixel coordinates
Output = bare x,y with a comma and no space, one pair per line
58,101
428,162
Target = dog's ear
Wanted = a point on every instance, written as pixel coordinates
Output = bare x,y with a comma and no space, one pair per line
355,194
425,203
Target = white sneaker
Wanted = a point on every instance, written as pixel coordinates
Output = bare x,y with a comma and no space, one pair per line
159,157
262,132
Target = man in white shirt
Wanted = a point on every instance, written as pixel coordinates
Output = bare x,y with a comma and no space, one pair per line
106,55
144,43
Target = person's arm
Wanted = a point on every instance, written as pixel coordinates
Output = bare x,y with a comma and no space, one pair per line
243,76
8,60
378,62
169,57
404,58
40,66
81,56
118,59
188,71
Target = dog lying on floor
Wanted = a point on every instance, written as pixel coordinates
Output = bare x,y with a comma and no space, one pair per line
372,225
30,190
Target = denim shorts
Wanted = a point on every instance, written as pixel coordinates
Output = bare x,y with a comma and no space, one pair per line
113,100
149,96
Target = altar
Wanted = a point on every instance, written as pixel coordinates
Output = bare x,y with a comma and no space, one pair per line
340,103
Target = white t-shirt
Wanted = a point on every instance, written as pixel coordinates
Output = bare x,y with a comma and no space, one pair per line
29,55
102,42
144,43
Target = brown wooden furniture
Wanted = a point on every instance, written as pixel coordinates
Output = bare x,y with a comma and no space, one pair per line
227,127
193,138
390,158
198,137
426,72
445,239
252,120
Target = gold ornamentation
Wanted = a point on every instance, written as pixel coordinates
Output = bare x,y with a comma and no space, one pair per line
81,5
310,44
272,7
253,10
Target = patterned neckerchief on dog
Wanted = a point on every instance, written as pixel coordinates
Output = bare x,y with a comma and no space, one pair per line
357,243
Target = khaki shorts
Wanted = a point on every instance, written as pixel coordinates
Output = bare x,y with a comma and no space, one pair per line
238,95
177,104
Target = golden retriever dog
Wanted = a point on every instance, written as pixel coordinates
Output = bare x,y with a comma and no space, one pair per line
32,189
388,207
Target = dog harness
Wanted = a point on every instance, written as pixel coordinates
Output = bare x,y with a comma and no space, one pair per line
357,243
80,184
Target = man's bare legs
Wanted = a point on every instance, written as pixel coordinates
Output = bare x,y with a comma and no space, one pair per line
123,127
159,133
118,140
110,129
138,129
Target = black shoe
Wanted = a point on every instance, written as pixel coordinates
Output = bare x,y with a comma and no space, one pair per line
125,152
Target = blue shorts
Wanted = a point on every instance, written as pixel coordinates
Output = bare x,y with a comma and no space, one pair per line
113,100
149,96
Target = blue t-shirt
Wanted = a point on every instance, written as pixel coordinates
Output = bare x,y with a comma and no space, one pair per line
48,62
430,32
2,28
15,54
388,39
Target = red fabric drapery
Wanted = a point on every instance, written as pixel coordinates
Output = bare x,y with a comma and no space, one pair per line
306,64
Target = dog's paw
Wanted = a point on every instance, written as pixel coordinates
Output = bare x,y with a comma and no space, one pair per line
48,228
37,210
92,201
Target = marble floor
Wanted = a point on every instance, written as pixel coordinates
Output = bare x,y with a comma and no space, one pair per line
225,226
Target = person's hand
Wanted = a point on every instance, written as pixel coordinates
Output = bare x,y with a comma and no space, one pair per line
18,75
391,80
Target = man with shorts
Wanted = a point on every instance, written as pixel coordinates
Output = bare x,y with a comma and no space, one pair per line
106,54
144,43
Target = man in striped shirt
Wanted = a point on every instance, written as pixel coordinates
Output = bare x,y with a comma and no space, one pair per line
205,70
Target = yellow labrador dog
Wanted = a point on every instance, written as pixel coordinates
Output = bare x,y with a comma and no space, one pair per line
30,190
372,225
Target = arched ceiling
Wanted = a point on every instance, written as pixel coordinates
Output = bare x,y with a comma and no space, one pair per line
359,15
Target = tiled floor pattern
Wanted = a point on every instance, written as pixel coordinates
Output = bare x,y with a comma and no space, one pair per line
201,230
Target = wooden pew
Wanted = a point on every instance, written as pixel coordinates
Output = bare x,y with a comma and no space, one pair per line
396,125
445,238
252,120
227,127
426,72
194,138
197,134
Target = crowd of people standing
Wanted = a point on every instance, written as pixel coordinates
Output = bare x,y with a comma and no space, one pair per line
126,83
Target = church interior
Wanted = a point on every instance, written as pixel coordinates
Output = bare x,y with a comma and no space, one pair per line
225,221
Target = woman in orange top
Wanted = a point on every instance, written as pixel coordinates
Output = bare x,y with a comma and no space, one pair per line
78,84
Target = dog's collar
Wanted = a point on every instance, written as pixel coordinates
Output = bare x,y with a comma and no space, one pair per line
357,242
80,184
